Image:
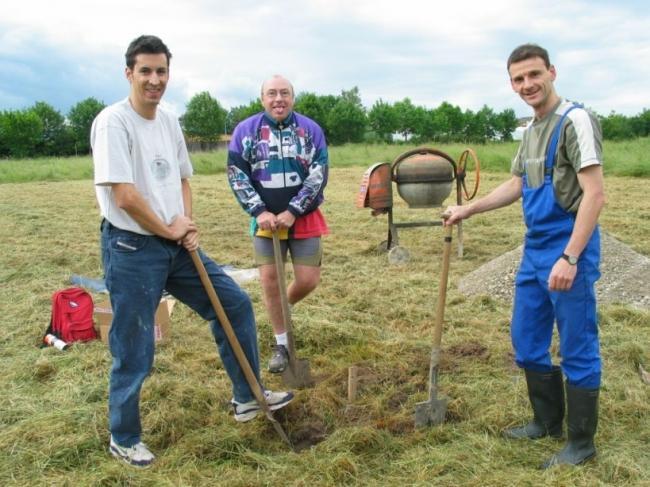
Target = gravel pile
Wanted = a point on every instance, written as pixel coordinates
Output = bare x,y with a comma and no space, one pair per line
625,275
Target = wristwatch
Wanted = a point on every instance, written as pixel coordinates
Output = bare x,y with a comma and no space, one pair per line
571,259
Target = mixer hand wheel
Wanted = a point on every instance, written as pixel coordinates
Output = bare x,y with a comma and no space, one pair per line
461,173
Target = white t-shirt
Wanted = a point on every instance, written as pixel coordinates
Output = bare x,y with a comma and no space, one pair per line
150,154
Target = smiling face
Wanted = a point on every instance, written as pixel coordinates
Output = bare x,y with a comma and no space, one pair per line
533,82
277,98
148,78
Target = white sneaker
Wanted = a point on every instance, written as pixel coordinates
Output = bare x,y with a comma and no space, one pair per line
137,455
248,410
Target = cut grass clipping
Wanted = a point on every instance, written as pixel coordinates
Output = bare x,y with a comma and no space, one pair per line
365,313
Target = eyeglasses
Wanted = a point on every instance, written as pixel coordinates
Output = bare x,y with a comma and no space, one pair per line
275,93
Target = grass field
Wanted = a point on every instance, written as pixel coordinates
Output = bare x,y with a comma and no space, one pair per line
53,409
622,158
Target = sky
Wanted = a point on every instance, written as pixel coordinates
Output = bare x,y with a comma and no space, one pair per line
64,51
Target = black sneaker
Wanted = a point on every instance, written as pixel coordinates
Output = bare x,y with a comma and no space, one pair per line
279,360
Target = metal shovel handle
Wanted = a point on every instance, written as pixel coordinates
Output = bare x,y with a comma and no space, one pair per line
253,383
284,300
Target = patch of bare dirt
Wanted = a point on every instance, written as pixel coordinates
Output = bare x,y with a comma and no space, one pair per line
395,425
625,275
308,436
468,349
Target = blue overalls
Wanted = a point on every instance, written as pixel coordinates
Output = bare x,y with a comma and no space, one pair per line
535,307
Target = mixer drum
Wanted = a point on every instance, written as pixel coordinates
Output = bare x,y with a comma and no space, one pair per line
424,180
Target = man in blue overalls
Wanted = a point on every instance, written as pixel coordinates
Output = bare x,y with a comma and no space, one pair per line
558,173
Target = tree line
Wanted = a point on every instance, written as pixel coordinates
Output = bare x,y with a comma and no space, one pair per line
41,130
344,119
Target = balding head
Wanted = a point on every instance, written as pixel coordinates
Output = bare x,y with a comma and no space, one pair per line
277,97
275,79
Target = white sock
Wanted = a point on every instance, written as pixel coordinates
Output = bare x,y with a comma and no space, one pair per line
282,339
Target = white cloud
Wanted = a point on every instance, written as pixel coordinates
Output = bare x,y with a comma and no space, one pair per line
427,51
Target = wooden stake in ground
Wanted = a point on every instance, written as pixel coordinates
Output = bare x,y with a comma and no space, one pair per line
353,380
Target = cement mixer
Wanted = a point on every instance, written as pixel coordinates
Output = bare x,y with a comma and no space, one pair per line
424,178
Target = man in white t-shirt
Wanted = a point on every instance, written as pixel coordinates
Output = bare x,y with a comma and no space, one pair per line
142,171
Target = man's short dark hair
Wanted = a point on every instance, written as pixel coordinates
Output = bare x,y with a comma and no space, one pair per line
527,51
145,45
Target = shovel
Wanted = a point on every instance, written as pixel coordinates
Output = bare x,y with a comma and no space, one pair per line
297,375
253,383
433,411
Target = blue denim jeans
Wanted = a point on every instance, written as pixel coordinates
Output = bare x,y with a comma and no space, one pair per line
137,269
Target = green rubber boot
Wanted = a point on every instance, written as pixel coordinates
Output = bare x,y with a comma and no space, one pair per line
582,406
546,395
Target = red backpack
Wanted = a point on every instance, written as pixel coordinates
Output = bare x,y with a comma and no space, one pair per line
72,315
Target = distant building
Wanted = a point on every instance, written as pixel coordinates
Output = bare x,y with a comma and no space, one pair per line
518,133
522,123
197,145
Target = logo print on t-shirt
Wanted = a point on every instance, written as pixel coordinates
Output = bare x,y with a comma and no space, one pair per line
160,168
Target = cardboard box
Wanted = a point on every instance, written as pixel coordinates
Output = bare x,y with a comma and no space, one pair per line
103,315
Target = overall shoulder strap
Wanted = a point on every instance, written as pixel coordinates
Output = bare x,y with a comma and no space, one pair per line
555,138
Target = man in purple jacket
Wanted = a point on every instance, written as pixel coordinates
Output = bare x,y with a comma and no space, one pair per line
277,168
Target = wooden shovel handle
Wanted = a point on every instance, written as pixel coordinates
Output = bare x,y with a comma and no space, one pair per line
253,383
284,299
442,289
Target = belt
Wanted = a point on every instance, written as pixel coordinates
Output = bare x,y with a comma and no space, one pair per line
105,224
